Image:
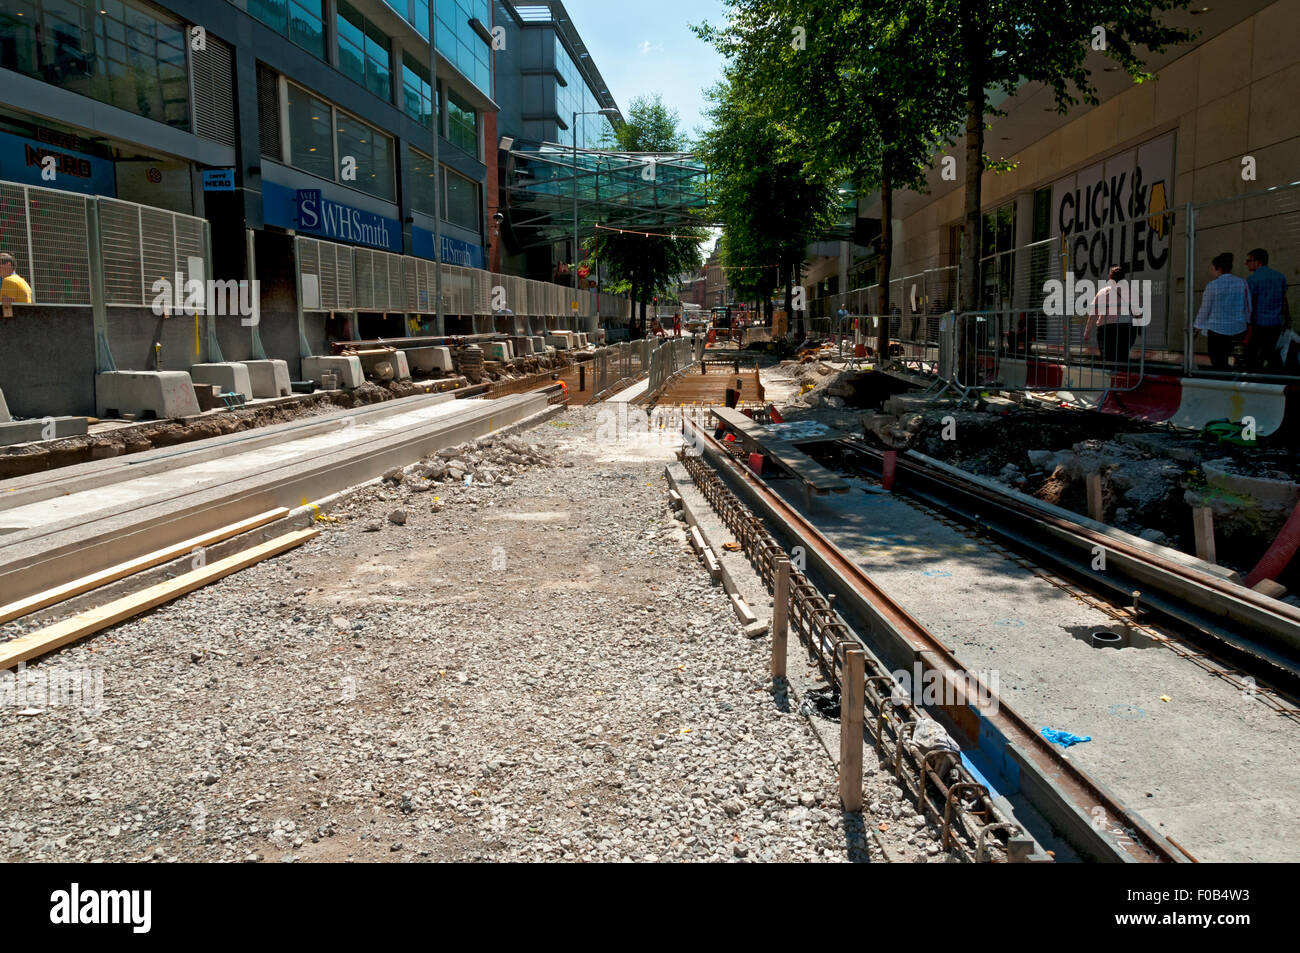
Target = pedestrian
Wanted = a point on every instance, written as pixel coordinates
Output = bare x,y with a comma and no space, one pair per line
13,289
677,325
1269,313
1225,311
1112,318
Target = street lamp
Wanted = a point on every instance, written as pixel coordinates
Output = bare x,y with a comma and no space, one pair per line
594,112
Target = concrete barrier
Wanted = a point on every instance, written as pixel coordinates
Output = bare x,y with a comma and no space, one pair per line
348,369
496,351
47,428
426,360
269,378
160,394
4,408
231,377
1204,400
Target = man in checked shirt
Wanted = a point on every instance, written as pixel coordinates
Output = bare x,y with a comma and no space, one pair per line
1225,311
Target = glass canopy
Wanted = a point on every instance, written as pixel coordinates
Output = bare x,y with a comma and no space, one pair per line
651,192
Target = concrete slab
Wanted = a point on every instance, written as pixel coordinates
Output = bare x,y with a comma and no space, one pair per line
231,377
160,394
1209,766
56,539
46,428
348,369
496,351
560,340
539,344
522,346
269,378
386,367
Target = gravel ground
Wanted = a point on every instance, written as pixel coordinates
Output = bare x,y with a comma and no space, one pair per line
534,669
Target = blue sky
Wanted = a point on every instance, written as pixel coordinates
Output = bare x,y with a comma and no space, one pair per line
646,46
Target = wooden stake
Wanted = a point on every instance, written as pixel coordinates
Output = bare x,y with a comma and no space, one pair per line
1203,524
852,701
113,573
780,616
1096,508
42,641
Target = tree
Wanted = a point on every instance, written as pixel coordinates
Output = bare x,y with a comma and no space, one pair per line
650,127
851,87
998,45
769,206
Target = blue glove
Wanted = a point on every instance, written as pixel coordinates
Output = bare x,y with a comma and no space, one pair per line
1064,738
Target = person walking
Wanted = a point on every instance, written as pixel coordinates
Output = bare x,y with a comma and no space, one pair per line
13,289
1225,311
1269,313
1112,319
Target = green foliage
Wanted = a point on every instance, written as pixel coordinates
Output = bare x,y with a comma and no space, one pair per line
770,207
646,265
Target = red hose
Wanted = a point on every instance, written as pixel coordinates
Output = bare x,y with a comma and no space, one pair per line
1280,553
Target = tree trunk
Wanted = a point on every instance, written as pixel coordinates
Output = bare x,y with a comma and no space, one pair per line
886,259
968,298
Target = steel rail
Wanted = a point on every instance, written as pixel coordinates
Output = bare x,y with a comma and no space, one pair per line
1095,822
1263,629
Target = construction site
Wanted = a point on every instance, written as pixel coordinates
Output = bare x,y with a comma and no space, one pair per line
408,455
736,608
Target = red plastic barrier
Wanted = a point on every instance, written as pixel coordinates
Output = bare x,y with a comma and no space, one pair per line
1280,553
756,463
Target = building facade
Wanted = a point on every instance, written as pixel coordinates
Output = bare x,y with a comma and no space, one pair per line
1212,142
298,138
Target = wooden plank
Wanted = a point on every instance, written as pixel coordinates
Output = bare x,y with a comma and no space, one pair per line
1096,505
780,616
129,568
1203,524
852,701
42,641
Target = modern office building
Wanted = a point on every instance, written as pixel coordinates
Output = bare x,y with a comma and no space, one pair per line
287,140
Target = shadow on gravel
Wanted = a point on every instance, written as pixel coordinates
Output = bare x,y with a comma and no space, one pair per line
855,837
781,695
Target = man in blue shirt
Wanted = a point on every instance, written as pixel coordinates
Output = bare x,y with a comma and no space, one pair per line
1269,313
1225,311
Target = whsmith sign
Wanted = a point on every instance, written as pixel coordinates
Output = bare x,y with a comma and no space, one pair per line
308,211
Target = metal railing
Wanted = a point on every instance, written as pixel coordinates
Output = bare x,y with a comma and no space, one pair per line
972,823
617,363
666,359
349,278
48,232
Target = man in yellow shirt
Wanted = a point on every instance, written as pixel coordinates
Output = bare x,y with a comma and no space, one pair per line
13,290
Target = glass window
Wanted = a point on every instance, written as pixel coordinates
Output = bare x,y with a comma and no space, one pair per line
311,137
364,52
422,183
373,152
417,94
461,204
461,43
302,21
462,124
112,51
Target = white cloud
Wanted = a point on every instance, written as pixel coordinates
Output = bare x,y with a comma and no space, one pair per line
646,47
